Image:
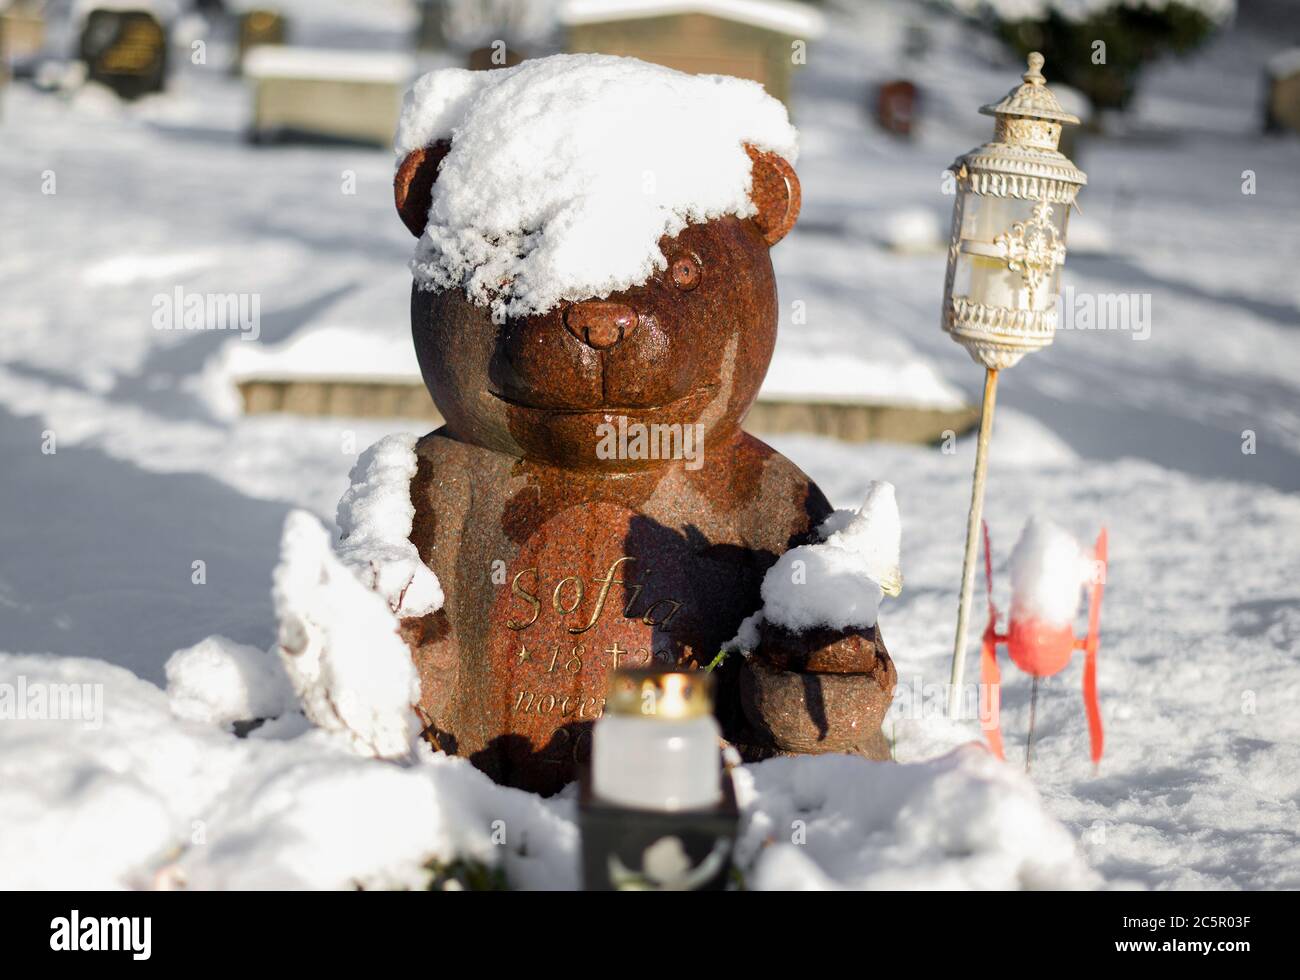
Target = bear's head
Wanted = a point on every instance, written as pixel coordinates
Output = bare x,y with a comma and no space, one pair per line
690,345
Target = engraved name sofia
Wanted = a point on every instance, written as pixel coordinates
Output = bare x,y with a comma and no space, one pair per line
569,593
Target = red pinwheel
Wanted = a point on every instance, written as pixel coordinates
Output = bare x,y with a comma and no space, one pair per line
1040,635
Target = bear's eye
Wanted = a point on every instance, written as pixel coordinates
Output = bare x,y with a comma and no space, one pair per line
686,273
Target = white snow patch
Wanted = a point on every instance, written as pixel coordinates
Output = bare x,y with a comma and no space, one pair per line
150,799
219,682
564,172
284,61
340,646
839,583
748,635
134,267
874,531
782,867
331,352
1020,439
796,19
913,230
153,800
337,822
95,809
964,820
375,517
828,587
1048,569
844,377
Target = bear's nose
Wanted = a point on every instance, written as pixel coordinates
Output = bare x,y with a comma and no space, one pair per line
598,324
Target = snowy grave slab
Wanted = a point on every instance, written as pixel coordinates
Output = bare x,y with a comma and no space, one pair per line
744,38
22,33
350,95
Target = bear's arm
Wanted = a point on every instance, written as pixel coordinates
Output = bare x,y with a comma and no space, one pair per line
816,691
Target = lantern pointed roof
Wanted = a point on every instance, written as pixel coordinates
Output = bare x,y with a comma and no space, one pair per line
1032,98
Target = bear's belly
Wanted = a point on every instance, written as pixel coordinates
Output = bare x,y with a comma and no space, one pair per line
589,589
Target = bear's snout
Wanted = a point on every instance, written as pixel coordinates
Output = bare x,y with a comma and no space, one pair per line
599,324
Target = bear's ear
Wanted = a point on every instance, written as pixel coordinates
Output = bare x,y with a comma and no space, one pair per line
413,185
775,192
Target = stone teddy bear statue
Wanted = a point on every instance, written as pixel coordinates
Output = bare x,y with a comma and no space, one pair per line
566,548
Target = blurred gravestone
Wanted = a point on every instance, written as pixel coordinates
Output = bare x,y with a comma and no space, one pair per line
22,32
329,94
258,27
125,50
916,40
1282,95
896,106
485,59
760,40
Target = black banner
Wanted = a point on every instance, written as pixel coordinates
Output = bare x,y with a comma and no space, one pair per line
1040,931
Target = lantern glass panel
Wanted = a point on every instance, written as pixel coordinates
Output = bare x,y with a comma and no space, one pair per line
987,279
985,217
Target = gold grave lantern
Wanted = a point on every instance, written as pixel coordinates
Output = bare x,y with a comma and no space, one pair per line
1005,253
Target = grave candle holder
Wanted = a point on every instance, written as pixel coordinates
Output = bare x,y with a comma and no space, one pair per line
657,810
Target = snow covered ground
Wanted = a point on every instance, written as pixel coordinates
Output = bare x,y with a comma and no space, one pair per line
154,470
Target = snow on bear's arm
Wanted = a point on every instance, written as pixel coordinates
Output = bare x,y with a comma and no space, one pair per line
564,172
340,646
375,516
817,585
839,582
875,532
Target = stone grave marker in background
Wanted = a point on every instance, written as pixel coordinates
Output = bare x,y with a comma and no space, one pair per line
126,50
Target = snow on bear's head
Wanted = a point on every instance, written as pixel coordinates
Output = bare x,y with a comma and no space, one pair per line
593,238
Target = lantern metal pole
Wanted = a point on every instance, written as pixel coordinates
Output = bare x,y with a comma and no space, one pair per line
972,541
